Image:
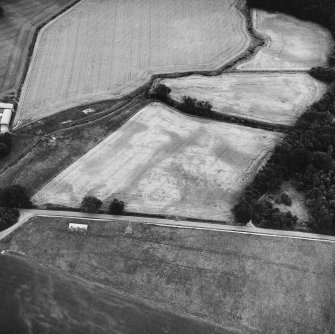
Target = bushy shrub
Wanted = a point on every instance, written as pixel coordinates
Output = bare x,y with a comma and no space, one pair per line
193,106
161,92
91,204
116,207
8,217
15,196
286,199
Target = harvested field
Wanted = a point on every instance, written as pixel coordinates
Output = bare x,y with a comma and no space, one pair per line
248,283
41,299
163,162
267,97
291,44
35,159
106,49
17,29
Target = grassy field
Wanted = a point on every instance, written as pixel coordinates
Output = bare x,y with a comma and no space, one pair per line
163,162
38,157
266,97
17,29
291,44
41,299
249,283
105,50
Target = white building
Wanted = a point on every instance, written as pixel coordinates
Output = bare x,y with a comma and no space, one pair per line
78,227
6,112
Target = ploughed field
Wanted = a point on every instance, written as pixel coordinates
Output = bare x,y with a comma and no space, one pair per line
17,28
163,162
290,43
40,299
106,49
246,283
278,98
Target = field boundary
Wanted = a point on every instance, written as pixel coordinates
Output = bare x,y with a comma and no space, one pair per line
26,215
30,52
257,41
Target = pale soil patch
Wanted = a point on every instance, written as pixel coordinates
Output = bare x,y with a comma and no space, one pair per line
291,44
17,28
163,162
267,97
106,49
298,207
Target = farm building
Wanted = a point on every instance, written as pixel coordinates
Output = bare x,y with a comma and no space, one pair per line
6,111
78,227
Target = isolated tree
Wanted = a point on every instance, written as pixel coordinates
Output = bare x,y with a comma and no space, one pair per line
90,204
116,207
8,217
15,196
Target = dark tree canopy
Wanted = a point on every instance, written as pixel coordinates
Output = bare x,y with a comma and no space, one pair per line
161,92
193,106
8,217
116,207
15,196
5,144
91,204
2,12
306,154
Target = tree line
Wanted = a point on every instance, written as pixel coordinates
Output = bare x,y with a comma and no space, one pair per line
306,154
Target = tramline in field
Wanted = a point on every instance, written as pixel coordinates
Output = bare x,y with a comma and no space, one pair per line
106,49
17,28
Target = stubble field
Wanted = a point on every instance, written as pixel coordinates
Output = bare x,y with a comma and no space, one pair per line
290,43
163,162
17,28
106,49
267,97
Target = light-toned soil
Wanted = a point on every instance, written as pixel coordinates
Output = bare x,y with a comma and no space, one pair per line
163,162
278,98
291,44
106,49
248,283
298,207
17,28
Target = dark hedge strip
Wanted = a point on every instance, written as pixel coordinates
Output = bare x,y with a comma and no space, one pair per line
306,154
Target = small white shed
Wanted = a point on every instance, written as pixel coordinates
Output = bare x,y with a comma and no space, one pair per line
5,120
6,111
78,227
6,106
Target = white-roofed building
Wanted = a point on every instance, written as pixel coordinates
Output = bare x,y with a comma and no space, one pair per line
6,112
78,227
6,106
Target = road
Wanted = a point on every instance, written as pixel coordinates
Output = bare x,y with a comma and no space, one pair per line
25,215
